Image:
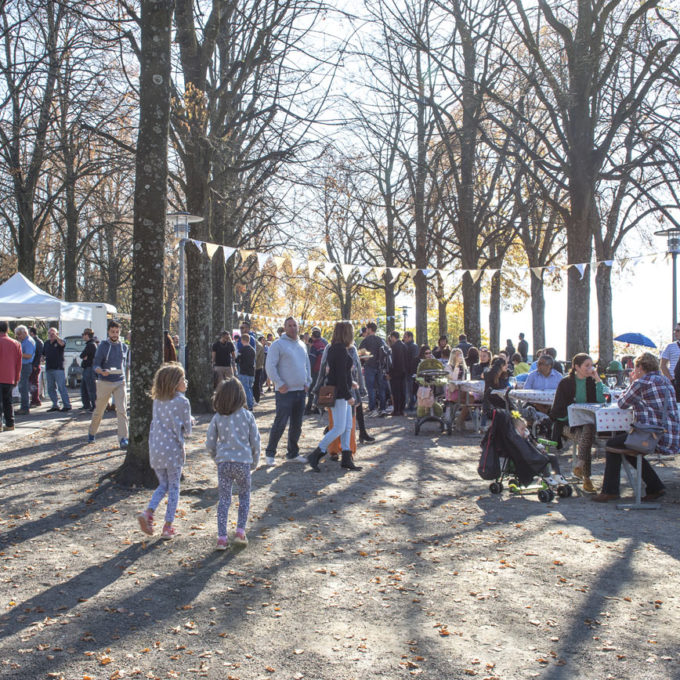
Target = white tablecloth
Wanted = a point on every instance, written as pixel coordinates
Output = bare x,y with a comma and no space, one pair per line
533,396
605,418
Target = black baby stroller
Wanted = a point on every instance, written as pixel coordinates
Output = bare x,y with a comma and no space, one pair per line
507,456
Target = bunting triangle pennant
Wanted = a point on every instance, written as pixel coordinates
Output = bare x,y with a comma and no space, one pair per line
428,272
279,261
227,252
581,268
537,272
379,272
475,274
245,254
395,271
413,272
262,259
211,249
346,270
198,244
311,267
329,268
364,270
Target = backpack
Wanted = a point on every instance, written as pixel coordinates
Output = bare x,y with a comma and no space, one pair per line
385,358
318,347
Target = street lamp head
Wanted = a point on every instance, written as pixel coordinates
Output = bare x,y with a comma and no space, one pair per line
672,239
181,221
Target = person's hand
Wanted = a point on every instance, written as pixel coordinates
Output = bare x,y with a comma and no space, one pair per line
636,373
193,420
595,375
355,386
104,373
283,389
352,401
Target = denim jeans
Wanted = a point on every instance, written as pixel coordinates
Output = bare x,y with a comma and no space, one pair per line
26,370
247,382
56,379
289,406
342,425
411,392
375,382
88,388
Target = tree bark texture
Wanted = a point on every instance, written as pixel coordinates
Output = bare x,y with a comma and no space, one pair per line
471,309
603,286
390,302
495,313
537,312
149,234
442,310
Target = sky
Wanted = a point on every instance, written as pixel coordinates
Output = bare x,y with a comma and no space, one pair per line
642,303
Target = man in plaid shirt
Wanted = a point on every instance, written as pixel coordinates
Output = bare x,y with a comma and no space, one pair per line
648,394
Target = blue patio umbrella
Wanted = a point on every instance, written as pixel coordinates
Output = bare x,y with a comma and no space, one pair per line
635,339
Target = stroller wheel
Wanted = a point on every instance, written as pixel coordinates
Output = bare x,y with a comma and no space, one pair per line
564,490
496,487
513,482
545,496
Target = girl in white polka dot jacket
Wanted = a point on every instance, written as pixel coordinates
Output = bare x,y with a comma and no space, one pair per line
234,443
171,422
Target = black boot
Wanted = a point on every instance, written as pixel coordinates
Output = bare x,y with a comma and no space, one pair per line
314,457
347,461
366,438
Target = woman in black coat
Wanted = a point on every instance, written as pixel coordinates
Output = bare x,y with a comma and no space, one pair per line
339,374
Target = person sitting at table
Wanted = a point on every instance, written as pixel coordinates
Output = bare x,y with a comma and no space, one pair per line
545,377
519,366
581,386
552,352
457,370
472,357
496,378
477,371
649,391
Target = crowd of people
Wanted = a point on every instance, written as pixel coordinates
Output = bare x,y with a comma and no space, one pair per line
307,373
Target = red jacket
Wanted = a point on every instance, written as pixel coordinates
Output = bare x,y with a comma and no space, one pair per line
10,360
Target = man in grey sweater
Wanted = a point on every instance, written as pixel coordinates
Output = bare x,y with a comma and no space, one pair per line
288,367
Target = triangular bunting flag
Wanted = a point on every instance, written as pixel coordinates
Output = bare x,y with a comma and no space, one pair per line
364,270
245,254
395,271
346,270
379,272
279,261
427,272
329,268
228,252
581,267
475,274
311,267
211,249
262,259
198,244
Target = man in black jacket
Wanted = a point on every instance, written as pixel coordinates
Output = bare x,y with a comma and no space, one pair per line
34,380
88,385
397,375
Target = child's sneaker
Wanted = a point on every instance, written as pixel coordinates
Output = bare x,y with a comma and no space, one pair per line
240,540
145,520
168,532
221,543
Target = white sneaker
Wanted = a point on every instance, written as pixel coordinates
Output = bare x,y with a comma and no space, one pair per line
299,459
372,414
270,461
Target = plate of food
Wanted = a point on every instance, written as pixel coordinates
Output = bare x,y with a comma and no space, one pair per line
364,354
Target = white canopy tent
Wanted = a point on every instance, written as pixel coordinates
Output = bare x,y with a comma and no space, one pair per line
22,299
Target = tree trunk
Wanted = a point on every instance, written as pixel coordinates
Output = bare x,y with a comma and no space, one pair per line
421,308
603,285
218,276
442,310
389,302
471,311
72,235
537,312
149,235
228,303
495,313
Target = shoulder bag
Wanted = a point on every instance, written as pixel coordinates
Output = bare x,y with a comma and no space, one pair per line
644,438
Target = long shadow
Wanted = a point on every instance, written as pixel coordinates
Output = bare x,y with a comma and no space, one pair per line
98,499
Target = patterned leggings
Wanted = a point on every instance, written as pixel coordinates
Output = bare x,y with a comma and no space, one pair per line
168,482
583,436
227,473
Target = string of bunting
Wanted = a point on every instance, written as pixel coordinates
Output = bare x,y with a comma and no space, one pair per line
321,323
346,269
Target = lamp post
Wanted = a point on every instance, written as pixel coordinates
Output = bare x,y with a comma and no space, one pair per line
181,221
673,247
404,310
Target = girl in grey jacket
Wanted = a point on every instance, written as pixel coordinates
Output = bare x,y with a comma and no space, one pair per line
234,443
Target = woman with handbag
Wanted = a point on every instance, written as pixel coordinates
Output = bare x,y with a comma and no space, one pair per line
652,397
581,386
339,377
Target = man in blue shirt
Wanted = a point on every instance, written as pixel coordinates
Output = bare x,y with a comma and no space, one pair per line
27,353
545,377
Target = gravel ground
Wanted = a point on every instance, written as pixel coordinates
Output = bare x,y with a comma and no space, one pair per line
410,567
